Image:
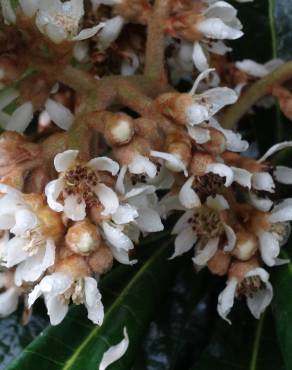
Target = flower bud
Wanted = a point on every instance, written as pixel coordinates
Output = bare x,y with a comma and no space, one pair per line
200,162
101,260
219,263
239,269
82,238
246,245
180,146
50,222
74,265
217,143
174,105
118,129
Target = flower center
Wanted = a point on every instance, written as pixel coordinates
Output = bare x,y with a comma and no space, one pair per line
207,185
81,181
249,286
206,222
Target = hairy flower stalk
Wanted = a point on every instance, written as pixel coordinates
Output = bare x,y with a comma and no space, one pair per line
116,149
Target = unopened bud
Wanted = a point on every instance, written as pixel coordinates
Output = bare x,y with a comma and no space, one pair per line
217,143
239,269
74,265
246,245
175,105
219,263
180,146
200,162
101,260
118,129
82,238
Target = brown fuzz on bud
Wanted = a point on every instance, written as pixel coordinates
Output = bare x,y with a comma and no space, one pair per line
217,144
179,144
50,222
238,269
199,163
246,245
82,238
101,261
148,129
74,265
126,153
174,105
219,263
118,129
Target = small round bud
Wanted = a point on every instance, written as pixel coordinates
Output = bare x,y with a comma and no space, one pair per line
119,129
219,263
74,265
101,260
82,238
200,162
246,245
217,144
239,269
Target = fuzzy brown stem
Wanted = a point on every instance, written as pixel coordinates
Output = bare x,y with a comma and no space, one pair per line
154,55
258,90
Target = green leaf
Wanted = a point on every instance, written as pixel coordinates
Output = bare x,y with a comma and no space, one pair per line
175,332
247,344
14,336
282,306
77,344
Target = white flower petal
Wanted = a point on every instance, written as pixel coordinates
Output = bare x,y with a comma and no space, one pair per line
8,12
182,222
25,220
114,353
187,196
120,186
8,302
110,32
282,212
149,221
200,135
242,177
29,7
262,204
231,238
108,198
269,247
172,161
73,209
263,297
222,10
219,203
14,252
33,267
57,309
63,161
226,299
93,301
252,68
52,190
141,164
86,33
122,256
199,57
202,256
184,242
217,98
59,114
274,149
125,214
223,171
20,118
283,174
263,181
104,164
116,237
196,114
139,190
215,28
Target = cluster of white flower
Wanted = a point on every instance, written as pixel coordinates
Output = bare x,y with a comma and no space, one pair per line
57,244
